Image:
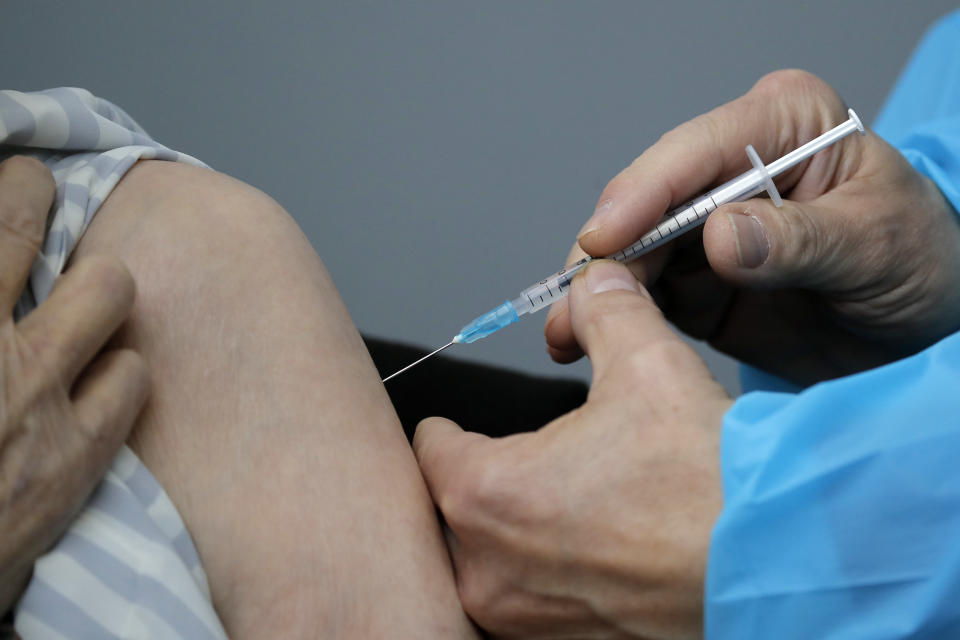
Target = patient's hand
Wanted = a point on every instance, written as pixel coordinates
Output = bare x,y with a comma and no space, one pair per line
597,525
64,409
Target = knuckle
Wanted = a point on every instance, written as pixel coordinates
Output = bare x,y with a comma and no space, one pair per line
492,488
788,81
455,502
608,316
706,126
661,352
95,426
102,433
668,138
598,324
656,365
106,434
478,491
51,349
709,125
17,217
31,168
129,386
479,596
23,224
803,88
109,276
804,239
667,351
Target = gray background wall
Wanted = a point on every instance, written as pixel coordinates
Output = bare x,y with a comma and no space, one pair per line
442,155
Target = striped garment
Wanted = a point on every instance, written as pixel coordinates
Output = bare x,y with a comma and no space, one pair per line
126,567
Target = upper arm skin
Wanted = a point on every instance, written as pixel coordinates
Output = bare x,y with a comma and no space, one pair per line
268,425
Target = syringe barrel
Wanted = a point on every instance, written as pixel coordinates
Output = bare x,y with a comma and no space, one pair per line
678,221
686,217
548,290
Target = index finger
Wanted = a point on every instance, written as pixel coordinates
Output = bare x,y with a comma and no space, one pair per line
87,305
26,193
782,110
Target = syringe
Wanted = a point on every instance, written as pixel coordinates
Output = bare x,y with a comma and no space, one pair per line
674,224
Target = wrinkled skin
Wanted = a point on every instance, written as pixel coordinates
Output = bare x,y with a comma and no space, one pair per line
863,260
65,409
598,524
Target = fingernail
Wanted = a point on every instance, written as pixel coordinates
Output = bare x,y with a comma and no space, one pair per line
752,244
594,222
606,275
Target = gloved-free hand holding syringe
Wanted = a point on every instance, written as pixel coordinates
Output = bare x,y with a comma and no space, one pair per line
675,223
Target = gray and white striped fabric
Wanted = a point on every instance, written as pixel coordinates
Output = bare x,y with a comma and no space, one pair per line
127,567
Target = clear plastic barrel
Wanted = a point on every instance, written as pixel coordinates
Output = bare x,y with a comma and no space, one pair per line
548,290
686,217
676,222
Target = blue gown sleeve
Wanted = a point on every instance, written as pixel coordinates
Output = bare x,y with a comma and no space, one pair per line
922,115
841,513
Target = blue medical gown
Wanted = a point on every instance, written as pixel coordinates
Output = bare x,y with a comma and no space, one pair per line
841,510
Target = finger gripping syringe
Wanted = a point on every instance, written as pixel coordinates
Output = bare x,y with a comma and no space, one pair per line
674,224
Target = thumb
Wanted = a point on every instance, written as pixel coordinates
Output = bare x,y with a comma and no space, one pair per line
757,243
442,449
612,315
